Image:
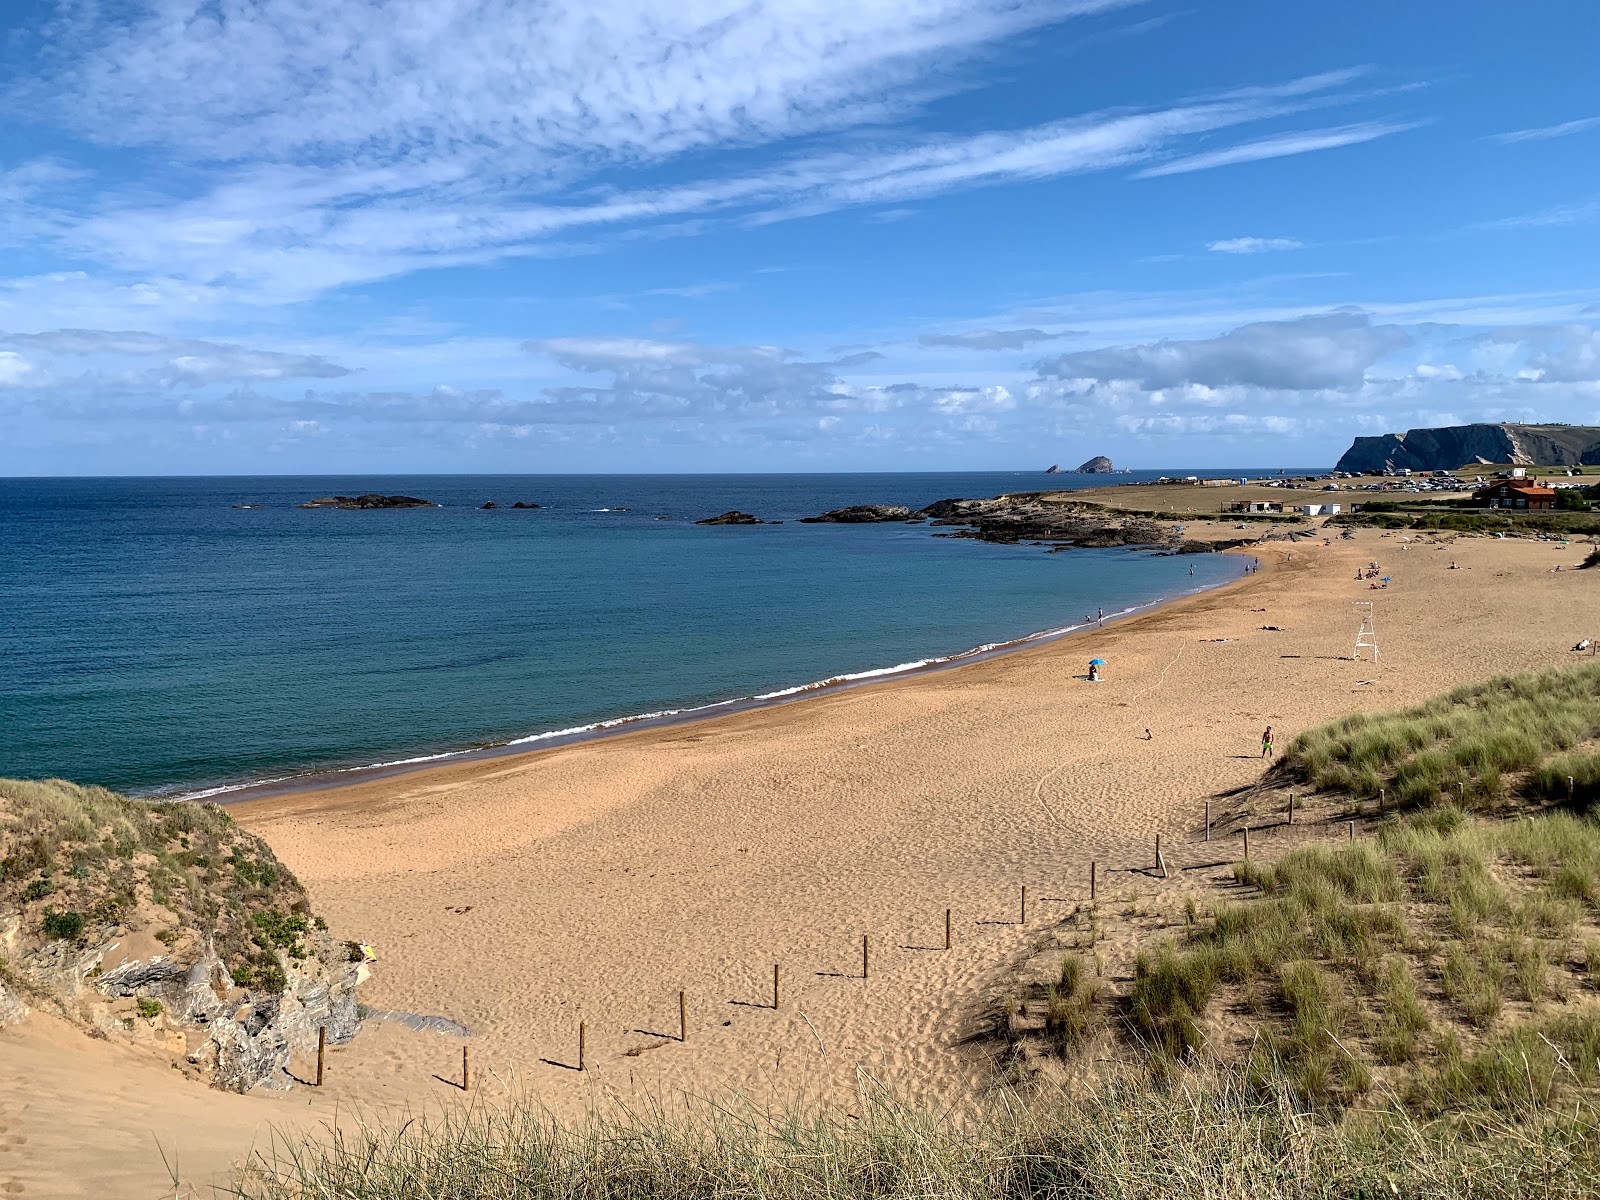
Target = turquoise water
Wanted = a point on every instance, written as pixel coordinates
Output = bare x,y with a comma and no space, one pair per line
154,638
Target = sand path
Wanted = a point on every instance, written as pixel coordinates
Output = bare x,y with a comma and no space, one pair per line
590,883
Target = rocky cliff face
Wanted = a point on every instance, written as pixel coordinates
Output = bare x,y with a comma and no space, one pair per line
1455,446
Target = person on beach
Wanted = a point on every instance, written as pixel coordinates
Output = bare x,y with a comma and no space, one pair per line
1100,615
1094,672
1266,743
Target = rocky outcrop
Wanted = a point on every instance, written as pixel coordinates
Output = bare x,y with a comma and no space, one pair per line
525,504
369,500
488,504
1098,465
1013,519
1452,447
1053,469
862,514
732,517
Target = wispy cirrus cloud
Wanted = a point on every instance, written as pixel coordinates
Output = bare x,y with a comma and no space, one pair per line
1544,133
1253,245
1280,146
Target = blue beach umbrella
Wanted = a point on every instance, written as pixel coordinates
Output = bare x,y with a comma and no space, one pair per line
1097,662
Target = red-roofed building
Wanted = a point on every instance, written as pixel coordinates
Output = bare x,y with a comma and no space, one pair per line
1515,493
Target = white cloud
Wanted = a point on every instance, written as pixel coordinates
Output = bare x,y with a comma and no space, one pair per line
1546,132
1330,350
1280,146
15,370
99,357
1253,245
520,85
988,339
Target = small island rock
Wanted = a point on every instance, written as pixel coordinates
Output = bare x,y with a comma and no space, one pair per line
369,500
861,514
732,517
488,504
1098,465
525,504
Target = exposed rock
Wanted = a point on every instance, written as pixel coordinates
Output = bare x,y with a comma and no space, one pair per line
732,517
1098,465
1053,469
369,500
1025,517
862,514
12,1009
525,504
488,504
1452,447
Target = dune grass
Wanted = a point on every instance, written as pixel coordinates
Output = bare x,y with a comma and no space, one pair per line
1518,737
76,860
1216,1137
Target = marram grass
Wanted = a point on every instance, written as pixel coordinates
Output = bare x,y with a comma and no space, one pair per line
1206,1138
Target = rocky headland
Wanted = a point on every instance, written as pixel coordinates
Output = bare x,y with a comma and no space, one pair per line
1027,517
1452,447
369,500
166,926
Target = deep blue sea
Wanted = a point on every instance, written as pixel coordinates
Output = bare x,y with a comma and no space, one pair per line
154,638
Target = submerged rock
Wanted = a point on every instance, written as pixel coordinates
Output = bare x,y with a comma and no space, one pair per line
525,504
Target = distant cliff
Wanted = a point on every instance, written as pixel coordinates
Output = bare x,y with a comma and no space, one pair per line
1461,445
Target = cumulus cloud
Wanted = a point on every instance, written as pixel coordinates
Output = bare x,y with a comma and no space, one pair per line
1253,245
989,339
1567,353
1329,350
15,370
1280,146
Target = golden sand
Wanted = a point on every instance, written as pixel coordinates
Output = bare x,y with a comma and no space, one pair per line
522,895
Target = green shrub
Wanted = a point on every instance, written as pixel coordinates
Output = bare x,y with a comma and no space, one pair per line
148,1008
38,890
64,925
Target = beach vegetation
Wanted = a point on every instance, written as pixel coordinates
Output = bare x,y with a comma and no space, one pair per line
1218,1135
147,1007
110,863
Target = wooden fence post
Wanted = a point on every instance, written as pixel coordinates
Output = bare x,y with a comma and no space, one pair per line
863,956
947,929
1291,808
774,987
1208,820
1092,871
322,1049
1352,831
1024,920
466,1077
583,1031
1247,843
683,1018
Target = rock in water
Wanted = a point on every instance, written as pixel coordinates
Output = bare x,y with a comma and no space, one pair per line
862,514
1053,469
488,504
1098,465
732,517
370,500
525,504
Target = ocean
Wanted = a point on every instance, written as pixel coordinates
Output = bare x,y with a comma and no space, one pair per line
156,639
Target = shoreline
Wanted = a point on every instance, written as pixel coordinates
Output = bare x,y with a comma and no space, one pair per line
328,778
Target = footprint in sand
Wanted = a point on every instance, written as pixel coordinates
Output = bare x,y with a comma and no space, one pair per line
11,1187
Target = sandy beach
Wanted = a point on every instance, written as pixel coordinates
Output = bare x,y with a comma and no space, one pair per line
523,895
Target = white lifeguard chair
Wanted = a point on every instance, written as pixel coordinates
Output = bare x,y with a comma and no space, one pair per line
1367,635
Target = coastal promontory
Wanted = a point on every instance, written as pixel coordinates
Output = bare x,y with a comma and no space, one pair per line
1453,446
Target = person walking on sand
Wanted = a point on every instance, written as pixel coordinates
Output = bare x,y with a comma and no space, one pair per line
1266,743
1100,615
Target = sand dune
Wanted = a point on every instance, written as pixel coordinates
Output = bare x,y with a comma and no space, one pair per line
523,895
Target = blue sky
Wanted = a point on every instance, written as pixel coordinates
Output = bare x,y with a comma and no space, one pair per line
489,235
